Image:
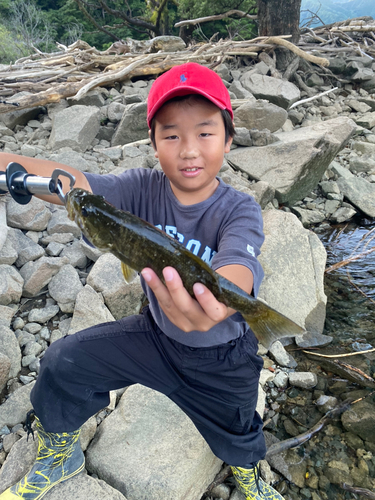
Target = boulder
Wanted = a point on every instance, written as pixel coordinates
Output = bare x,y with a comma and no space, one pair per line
359,192
75,127
89,310
295,165
360,420
293,259
121,298
11,283
133,125
148,449
275,90
260,115
33,217
10,348
15,408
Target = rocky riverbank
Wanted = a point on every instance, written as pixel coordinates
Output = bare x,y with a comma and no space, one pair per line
309,165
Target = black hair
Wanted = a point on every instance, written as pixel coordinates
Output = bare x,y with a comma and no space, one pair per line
227,119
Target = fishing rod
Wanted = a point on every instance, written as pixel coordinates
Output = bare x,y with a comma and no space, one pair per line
22,186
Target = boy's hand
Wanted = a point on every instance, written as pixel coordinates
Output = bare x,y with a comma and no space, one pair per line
181,309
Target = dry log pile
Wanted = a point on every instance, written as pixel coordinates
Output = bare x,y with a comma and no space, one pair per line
78,68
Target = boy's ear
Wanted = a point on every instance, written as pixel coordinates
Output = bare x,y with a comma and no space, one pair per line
228,145
153,145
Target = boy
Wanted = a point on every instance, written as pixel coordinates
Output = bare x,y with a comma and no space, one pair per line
198,352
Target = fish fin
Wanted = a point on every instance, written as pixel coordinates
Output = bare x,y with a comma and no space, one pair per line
129,273
269,325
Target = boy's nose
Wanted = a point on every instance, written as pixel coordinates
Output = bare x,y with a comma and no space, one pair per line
189,151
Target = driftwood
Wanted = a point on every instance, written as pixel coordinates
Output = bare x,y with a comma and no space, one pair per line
218,17
339,355
359,491
293,48
302,101
344,370
349,260
75,70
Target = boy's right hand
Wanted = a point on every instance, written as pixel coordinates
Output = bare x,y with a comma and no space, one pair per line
187,313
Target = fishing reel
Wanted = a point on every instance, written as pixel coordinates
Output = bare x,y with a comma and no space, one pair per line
22,186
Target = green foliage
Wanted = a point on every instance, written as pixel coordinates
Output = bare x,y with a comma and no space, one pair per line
11,48
232,27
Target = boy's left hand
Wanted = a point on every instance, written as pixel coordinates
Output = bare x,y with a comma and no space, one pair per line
182,310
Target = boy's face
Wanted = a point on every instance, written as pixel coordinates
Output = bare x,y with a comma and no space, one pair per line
190,145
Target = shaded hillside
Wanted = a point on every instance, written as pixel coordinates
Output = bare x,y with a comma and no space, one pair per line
331,11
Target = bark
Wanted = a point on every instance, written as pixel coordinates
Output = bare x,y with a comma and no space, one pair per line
279,17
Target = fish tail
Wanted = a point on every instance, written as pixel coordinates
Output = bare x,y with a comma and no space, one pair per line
268,326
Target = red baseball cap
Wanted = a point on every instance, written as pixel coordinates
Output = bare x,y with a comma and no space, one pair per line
188,78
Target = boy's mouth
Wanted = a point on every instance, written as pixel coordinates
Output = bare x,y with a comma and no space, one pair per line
191,171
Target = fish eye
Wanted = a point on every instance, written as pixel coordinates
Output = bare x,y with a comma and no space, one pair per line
84,212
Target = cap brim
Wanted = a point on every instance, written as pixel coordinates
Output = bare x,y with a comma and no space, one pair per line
179,92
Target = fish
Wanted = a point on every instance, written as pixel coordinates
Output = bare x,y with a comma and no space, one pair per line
139,244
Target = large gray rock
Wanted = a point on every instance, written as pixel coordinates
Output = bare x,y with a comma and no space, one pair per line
360,419
19,116
89,310
15,408
64,288
75,127
84,487
295,165
275,90
72,159
150,450
359,192
39,273
19,461
106,277
260,115
33,217
60,223
133,125
10,348
11,283
293,260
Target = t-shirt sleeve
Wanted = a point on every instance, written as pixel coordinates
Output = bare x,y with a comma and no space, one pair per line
240,239
123,191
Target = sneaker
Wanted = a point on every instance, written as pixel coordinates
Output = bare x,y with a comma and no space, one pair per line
59,458
252,485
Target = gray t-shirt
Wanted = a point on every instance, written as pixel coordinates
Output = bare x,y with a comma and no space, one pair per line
225,229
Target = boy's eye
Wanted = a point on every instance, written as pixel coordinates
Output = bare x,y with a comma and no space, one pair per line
205,134
170,137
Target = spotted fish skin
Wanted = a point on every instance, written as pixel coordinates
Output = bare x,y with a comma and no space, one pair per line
139,244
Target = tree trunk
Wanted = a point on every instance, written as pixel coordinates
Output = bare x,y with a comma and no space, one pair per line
279,17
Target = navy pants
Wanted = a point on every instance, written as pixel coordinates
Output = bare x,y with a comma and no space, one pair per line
217,387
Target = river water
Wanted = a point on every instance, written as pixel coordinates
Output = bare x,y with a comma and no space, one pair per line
351,289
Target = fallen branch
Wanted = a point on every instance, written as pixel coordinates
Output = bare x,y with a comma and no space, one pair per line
353,28
321,61
305,436
312,98
219,479
215,18
338,355
358,491
349,260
